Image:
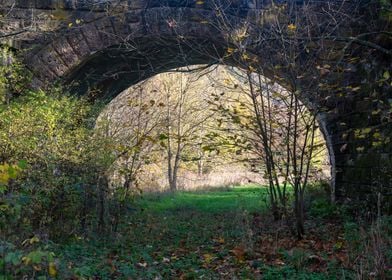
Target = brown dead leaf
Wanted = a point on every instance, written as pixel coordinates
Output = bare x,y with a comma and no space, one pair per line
219,240
239,253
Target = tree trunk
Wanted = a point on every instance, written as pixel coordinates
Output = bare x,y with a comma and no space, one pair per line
299,213
200,167
170,172
102,186
127,183
173,184
83,215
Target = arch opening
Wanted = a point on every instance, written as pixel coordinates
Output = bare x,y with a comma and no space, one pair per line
218,92
117,68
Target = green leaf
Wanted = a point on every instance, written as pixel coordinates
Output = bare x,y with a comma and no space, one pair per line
3,188
163,136
36,256
14,258
22,164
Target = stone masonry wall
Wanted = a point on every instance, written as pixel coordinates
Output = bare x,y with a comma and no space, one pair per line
70,36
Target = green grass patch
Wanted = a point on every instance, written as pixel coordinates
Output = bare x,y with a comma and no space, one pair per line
188,235
250,198
169,235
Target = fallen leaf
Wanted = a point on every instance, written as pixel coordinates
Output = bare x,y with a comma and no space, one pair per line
143,264
239,253
52,269
208,258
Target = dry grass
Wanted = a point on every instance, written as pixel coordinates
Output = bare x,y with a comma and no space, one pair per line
155,180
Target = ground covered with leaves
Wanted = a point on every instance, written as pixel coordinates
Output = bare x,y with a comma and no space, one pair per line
217,234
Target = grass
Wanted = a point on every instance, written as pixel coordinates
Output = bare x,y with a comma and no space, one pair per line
250,198
170,236
214,234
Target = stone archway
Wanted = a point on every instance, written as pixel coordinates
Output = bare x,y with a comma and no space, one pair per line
110,45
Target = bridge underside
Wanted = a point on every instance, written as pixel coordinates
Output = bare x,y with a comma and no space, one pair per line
115,69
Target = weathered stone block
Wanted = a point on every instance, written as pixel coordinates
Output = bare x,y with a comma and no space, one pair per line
79,45
137,4
52,61
91,35
106,33
65,52
133,16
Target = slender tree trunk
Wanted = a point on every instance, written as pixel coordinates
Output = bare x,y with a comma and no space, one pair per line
200,167
128,183
170,169
262,120
83,216
299,214
102,185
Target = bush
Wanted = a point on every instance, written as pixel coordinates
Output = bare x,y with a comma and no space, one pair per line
322,208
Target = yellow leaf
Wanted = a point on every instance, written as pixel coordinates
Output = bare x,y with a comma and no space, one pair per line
360,149
377,144
245,56
377,135
34,239
208,258
291,27
4,167
52,270
26,260
367,130
4,178
252,69
70,24
339,245
362,133
199,2
230,50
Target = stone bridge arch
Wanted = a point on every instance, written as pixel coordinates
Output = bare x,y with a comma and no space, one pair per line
102,47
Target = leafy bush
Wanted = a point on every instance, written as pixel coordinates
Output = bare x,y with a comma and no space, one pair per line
14,77
323,208
33,261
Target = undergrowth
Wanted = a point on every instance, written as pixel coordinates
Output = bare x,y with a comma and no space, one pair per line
217,234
